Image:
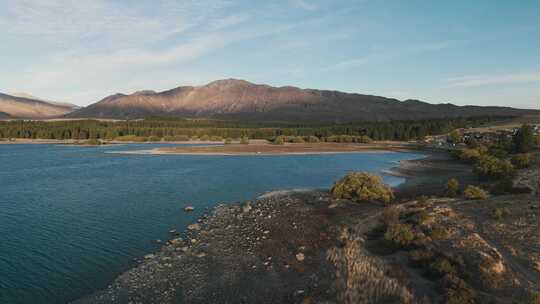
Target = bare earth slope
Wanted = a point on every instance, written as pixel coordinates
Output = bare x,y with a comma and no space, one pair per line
242,100
22,107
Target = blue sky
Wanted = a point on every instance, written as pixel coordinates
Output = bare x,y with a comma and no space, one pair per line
464,52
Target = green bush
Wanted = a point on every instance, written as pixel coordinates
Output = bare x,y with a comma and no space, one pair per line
204,138
452,187
216,138
228,141
471,155
154,138
500,212
494,168
522,161
524,140
443,267
278,140
360,186
455,137
399,234
475,193
439,233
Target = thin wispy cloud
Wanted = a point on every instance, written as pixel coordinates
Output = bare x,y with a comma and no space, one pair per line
303,4
497,79
391,53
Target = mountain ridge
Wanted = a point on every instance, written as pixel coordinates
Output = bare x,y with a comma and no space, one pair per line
242,100
30,107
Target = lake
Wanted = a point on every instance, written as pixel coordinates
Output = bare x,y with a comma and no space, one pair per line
73,218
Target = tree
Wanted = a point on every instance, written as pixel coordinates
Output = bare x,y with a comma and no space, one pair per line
361,186
455,137
524,140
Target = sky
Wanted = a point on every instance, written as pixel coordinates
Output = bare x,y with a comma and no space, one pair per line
464,52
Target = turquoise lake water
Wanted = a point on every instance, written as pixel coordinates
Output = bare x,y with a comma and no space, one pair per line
73,218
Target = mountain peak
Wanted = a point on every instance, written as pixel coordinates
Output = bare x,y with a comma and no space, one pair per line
242,100
228,82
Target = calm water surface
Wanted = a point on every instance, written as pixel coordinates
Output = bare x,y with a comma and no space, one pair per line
73,218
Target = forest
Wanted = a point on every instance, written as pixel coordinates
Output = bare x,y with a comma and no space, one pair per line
180,128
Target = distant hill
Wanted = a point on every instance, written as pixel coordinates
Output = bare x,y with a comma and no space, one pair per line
31,108
242,100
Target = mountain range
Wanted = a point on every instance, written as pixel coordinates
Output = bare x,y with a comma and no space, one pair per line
30,107
242,100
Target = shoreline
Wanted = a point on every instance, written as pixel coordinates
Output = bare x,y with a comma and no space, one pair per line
257,242
266,149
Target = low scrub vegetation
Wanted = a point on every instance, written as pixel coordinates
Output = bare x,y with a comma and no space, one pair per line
360,186
452,187
522,160
401,235
494,168
475,193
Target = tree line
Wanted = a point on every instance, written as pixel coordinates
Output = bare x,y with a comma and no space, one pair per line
189,128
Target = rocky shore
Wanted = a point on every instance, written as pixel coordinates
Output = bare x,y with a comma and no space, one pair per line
270,250
308,247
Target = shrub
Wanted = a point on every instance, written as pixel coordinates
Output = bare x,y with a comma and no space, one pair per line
455,137
500,212
360,186
279,140
522,161
443,267
439,233
420,217
154,138
492,167
216,138
244,140
390,215
470,155
475,193
422,202
204,138
524,140
399,234
452,187
313,139
534,297
228,141
297,139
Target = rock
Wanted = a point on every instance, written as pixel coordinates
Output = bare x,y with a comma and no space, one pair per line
149,256
201,255
189,208
334,205
172,231
176,241
246,208
300,257
194,227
